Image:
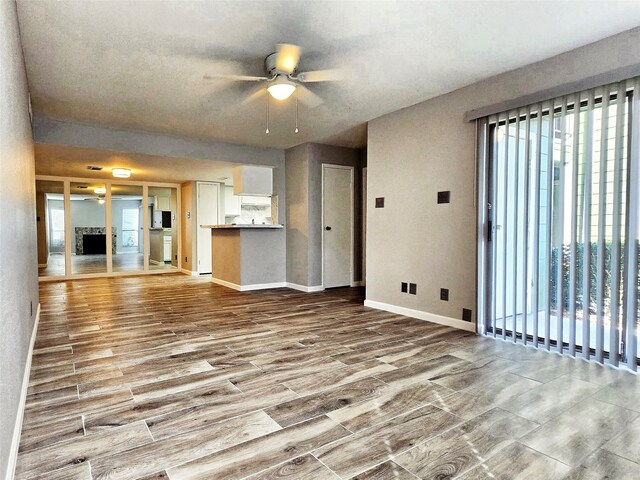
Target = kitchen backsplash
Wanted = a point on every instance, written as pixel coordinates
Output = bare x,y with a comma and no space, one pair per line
258,214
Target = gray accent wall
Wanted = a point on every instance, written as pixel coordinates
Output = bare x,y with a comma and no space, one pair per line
18,262
415,152
303,167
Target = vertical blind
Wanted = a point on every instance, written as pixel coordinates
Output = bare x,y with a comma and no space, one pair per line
559,224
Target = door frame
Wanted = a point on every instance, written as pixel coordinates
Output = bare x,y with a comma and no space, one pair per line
198,223
351,214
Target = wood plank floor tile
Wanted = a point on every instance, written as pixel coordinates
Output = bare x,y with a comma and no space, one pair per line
626,443
573,435
380,443
73,451
333,378
389,404
385,471
49,433
304,408
167,453
609,465
306,466
517,462
259,454
446,456
81,471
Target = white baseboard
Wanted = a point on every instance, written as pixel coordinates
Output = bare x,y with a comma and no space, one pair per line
420,315
304,288
17,429
189,272
246,288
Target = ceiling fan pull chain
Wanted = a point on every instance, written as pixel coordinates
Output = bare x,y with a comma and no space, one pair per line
267,130
296,130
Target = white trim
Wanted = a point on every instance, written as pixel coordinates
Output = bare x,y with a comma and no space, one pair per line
246,288
351,213
420,315
189,272
304,288
17,429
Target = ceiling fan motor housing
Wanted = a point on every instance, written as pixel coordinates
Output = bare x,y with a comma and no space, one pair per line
270,66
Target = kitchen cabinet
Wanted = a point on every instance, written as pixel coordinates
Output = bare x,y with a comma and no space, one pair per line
162,203
256,200
252,180
232,203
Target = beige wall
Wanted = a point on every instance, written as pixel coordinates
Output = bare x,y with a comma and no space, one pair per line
188,230
416,152
18,244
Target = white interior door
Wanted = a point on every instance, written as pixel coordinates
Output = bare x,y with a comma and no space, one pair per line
337,214
208,194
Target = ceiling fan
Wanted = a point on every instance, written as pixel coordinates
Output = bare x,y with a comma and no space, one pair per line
283,78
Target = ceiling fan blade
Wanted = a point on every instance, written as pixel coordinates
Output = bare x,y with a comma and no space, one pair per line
307,97
246,78
254,96
330,75
287,58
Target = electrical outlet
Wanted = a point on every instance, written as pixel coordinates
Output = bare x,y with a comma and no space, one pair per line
186,259
188,215
467,314
412,288
444,197
379,202
444,294
403,287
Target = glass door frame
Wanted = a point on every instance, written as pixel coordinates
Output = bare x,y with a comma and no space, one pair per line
67,181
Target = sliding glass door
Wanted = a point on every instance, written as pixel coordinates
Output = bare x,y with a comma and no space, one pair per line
560,238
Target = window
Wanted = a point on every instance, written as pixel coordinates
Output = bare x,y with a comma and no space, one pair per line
56,217
130,225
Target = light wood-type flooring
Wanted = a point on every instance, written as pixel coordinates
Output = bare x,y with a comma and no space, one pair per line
173,377
85,264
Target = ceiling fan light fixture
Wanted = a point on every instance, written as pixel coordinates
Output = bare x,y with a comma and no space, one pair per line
121,172
281,89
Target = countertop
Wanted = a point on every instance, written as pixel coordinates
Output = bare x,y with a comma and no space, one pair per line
243,225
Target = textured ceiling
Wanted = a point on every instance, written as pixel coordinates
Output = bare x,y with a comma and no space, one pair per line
139,65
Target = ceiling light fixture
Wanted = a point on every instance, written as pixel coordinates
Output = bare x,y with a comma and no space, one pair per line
99,190
121,172
281,88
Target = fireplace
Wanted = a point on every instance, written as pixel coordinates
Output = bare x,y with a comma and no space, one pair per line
82,232
94,244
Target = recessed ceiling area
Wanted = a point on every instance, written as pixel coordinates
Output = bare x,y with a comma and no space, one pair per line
140,65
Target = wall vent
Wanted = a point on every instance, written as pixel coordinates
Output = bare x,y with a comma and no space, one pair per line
94,168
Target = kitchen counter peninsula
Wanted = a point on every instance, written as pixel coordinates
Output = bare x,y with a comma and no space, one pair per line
248,256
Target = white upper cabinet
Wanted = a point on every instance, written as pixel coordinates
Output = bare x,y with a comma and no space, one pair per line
252,180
